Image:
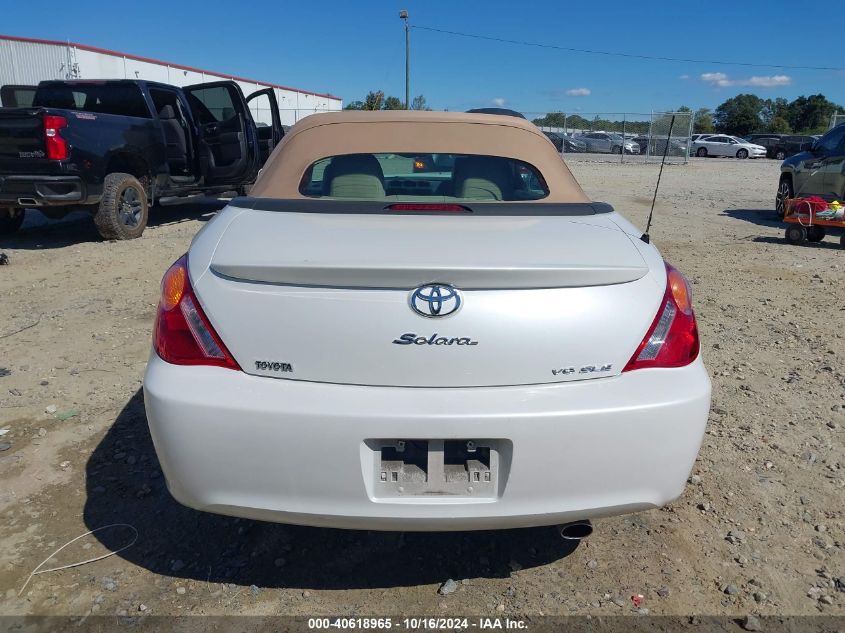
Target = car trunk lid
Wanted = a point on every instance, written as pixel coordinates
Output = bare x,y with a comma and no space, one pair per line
394,251
327,297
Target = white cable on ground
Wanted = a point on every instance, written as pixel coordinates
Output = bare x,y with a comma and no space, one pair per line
38,569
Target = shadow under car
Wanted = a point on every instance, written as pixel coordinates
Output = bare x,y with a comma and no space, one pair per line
125,485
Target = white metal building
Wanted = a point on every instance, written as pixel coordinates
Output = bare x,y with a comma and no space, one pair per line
26,61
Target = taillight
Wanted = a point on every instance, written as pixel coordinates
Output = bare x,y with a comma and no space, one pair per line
672,339
183,335
56,146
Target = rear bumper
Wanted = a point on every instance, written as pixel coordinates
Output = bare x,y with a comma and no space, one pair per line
297,452
36,191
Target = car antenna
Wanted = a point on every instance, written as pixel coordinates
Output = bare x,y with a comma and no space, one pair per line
645,236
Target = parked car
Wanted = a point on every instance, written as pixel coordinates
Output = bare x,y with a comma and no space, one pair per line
723,145
573,145
753,138
608,143
565,143
773,144
780,146
556,139
677,147
792,144
116,146
815,171
696,137
490,371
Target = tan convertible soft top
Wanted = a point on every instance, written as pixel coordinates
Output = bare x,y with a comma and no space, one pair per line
398,131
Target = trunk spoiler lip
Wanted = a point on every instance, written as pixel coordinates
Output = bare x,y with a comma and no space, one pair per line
381,207
636,273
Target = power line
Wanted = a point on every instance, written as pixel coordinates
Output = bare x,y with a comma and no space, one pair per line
629,55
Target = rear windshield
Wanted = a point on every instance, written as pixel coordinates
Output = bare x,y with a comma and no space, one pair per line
114,98
16,96
430,177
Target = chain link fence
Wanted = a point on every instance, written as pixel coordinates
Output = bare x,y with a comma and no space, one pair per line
669,135
632,136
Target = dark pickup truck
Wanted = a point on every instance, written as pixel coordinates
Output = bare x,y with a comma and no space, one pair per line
114,147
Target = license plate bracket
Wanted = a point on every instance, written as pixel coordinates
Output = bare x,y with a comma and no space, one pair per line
435,467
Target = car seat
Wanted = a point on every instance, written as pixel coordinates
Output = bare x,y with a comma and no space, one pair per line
354,176
483,178
176,139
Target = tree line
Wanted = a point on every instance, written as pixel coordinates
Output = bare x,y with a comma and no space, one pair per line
578,122
375,100
747,114
740,115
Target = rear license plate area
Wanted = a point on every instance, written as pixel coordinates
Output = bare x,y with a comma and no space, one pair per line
432,468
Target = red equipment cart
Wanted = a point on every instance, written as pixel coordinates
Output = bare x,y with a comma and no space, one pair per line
804,223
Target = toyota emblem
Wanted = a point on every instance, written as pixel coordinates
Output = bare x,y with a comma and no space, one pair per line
435,300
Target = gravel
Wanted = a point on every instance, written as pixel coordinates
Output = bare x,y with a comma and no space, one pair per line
450,586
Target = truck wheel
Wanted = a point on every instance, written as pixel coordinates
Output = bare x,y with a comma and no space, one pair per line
10,220
124,210
815,233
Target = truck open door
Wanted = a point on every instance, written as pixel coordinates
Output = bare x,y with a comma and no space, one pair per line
227,143
265,112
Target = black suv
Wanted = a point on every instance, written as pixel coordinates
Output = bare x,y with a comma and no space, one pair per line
781,146
791,144
772,143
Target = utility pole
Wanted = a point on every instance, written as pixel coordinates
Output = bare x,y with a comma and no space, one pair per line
403,14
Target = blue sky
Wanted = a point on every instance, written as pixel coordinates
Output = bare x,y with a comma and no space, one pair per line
348,48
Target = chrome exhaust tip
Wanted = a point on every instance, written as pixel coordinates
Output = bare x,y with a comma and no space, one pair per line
27,202
576,530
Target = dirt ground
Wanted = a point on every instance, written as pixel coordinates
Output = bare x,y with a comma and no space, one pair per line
758,530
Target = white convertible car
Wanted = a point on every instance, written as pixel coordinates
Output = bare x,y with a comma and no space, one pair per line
419,321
